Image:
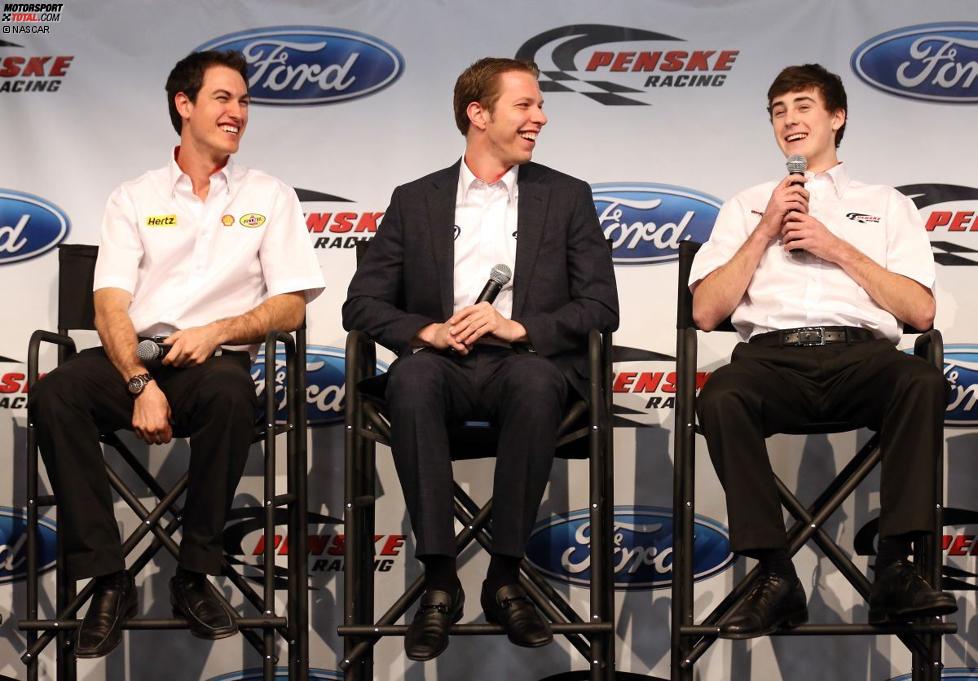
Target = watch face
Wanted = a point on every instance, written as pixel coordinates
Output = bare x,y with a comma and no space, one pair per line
136,384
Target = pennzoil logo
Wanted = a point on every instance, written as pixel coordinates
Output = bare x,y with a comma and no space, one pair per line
161,221
252,220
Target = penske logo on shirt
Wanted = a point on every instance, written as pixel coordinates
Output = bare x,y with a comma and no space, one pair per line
161,220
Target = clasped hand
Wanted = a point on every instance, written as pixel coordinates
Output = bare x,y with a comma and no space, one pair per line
787,217
463,329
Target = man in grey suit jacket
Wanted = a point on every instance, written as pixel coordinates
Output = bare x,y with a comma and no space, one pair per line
514,361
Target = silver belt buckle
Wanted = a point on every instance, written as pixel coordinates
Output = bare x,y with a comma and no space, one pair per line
811,336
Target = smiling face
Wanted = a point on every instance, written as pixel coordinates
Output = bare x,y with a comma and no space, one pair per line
506,134
214,123
803,125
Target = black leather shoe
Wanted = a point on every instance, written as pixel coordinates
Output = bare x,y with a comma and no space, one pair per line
113,601
427,635
512,608
195,598
773,603
900,594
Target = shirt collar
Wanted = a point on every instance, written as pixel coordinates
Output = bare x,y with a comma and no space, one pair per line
838,177
226,173
466,177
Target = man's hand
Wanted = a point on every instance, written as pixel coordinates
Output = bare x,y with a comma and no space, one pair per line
789,195
470,324
438,336
151,416
803,232
192,346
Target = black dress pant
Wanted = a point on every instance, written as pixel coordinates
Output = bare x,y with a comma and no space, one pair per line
213,404
766,390
521,393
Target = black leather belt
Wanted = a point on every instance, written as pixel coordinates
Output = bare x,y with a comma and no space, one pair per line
807,336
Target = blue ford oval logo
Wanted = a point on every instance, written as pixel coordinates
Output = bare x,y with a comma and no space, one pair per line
561,547
311,64
956,674
961,371
13,544
281,674
29,226
646,222
935,62
325,383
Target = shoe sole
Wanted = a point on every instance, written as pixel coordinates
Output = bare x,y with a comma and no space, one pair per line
790,622
426,658
104,649
900,616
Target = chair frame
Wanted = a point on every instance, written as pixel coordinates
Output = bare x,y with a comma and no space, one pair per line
690,640
366,426
293,627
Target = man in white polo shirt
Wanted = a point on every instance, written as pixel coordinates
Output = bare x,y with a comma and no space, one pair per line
211,256
819,272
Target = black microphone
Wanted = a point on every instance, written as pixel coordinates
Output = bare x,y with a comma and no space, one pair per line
151,350
498,277
797,165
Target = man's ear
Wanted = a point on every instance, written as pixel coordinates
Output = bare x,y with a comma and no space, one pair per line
478,116
838,119
183,104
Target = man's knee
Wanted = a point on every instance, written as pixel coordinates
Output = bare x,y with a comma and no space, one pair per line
536,381
416,377
227,384
924,381
51,394
722,392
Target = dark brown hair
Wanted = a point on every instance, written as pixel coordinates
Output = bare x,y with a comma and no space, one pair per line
188,75
806,76
480,83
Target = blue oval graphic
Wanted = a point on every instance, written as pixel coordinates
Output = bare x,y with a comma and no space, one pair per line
955,674
646,222
289,65
561,547
281,674
961,371
29,226
934,62
325,383
13,544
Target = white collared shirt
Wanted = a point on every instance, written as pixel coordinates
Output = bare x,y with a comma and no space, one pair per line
789,291
485,236
189,262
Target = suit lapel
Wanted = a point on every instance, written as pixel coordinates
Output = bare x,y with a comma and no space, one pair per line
532,209
441,228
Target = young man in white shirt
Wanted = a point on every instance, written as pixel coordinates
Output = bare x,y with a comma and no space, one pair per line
818,272
513,362
210,255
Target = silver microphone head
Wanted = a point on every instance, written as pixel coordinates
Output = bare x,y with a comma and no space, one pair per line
148,351
797,164
501,274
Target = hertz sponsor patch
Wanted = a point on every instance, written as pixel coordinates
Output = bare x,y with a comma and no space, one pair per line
227,220
161,221
252,220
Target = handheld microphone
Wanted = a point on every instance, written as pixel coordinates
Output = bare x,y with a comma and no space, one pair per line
498,277
151,350
797,165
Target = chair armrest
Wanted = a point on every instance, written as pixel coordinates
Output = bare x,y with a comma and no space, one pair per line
34,346
272,339
361,358
930,346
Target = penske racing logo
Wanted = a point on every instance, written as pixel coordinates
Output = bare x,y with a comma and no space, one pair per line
950,214
290,65
643,539
645,223
336,222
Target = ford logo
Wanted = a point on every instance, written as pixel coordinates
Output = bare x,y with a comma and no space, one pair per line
935,62
13,544
310,64
281,674
961,371
561,547
645,223
29,226
957,674
325,384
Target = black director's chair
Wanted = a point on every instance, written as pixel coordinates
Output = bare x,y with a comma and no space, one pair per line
689,640
76,312
586,432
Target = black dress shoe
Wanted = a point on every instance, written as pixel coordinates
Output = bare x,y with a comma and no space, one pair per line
113,601
512,608
195,598
900,594
774,602
427,635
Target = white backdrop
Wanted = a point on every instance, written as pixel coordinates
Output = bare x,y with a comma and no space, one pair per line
654,100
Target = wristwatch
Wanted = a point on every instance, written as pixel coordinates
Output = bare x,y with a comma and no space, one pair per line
137,383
